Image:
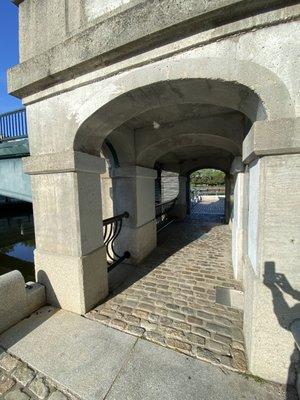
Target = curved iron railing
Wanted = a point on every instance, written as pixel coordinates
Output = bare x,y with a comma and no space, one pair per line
161,214
111,230
13,125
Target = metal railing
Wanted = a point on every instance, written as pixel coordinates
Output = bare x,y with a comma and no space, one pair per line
161,214
111,230
13,125
197,193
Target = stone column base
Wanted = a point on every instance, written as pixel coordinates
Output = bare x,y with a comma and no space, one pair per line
75,284
139,241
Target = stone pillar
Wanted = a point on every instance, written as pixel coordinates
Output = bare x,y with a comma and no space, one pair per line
237,217
70,259
134,192
169,185
271,261
107,196
180,209
227,198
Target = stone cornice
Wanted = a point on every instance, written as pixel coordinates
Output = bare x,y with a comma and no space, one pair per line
151,24
68,161
276,137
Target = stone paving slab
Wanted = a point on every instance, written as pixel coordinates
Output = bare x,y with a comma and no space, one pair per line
79,356
82,356
156,373
171,298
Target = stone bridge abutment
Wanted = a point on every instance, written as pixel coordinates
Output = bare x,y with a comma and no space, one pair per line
214,105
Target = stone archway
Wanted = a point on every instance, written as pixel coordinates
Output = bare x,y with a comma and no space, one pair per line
69,161
152,153
242,86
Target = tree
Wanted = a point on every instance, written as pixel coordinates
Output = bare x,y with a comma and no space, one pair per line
208,177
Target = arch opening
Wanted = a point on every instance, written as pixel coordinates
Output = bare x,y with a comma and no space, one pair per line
175,119
161,97
206,195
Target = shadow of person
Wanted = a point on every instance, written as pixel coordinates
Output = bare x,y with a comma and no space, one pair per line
286,315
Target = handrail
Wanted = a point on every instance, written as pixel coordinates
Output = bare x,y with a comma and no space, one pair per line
161,214
164,208
196,193
13,125
111,229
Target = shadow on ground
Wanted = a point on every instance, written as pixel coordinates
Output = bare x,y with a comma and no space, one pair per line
170,240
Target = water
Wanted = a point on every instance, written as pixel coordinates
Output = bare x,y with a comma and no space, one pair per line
17,239
21,251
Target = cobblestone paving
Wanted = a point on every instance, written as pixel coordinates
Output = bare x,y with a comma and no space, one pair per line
170,298
20,382
208,207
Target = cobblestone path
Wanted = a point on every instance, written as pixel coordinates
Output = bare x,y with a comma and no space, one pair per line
19,382
208,207
170,298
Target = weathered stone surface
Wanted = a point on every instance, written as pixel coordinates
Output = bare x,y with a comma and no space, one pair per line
23,374
16,395
6,383
39,388
2,352
143,31
57,395
78,360
160,373
232,54
18,384
155,370
8,363
135,330
16,300
155,337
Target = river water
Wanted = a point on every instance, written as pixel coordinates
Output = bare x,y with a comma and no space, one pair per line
17,239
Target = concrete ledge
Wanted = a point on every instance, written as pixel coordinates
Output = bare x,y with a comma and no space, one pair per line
272,138
68,161
17,300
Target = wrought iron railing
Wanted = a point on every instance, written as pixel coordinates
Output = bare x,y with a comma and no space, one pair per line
13,125
162,214
111,230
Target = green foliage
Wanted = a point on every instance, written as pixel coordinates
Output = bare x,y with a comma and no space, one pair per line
208,177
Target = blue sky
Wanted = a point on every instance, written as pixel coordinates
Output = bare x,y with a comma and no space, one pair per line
9,53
